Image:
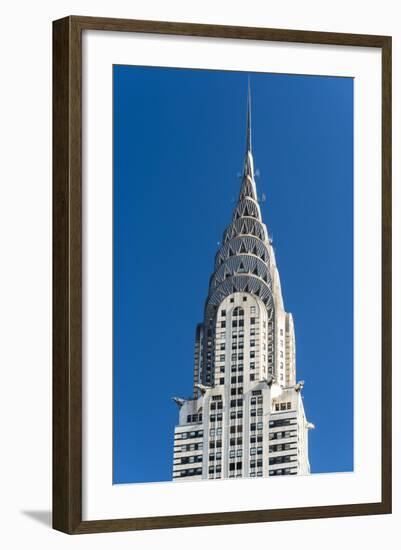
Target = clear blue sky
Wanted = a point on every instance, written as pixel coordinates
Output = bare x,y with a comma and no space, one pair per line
179,138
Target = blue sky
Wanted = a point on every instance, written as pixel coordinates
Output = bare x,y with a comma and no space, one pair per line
179,138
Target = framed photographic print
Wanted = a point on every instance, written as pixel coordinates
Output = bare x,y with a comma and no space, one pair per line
222,275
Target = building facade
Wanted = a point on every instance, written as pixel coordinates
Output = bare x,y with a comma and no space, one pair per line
246,417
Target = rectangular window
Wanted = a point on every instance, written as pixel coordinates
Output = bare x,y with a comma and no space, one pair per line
253,320
253,309
251,377
252,343
222,357
223,324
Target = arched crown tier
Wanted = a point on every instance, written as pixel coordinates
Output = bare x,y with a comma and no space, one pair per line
242,245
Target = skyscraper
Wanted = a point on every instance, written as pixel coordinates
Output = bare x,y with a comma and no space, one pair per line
246,417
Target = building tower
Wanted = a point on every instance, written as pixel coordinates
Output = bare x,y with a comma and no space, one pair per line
246,417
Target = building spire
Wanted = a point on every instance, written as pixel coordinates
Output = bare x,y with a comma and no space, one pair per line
249,121
248,187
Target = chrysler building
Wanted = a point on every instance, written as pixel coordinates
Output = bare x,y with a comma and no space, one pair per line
246,417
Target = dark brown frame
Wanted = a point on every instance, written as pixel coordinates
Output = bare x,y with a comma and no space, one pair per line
67,276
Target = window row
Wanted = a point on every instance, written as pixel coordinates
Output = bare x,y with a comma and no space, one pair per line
190,472
283,435
282,422
191,418
283,406
256,450
216,405
236,428
216,456
191,459
258,412
254,426
216,469
283,472
191,447
282,459
189,435
281,447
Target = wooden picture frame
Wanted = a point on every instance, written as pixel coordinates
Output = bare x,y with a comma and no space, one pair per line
67,274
